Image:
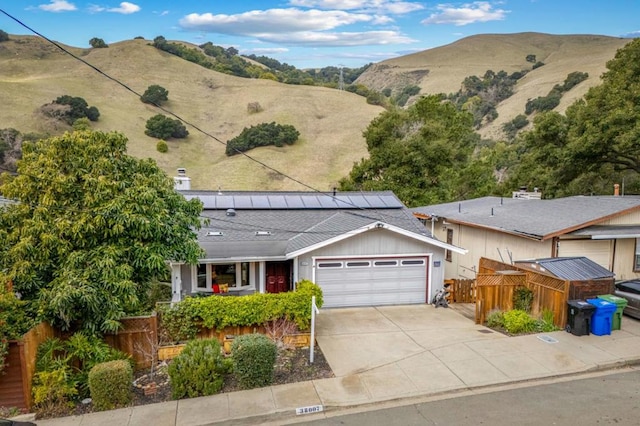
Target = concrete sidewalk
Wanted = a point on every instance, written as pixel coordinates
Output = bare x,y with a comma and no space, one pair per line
390,354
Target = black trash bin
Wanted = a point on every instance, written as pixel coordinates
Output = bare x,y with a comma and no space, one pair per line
579,317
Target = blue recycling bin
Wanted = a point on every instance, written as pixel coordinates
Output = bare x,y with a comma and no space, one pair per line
602,318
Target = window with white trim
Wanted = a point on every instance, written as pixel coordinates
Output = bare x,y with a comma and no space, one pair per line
413,262
235,275
359,264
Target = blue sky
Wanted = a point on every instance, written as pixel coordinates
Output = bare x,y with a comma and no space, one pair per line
316,33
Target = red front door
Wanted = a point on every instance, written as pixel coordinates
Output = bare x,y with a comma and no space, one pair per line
278,274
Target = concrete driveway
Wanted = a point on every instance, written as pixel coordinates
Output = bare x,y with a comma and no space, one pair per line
355,340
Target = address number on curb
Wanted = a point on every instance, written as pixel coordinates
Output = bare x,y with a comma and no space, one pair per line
309,410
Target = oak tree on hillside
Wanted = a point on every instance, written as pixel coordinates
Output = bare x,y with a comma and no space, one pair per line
155,94
423,154
162,127
97,43
91,227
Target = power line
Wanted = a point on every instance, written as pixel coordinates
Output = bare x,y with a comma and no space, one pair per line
126,87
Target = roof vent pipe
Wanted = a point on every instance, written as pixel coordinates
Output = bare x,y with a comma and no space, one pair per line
231,212
616,190
491,211
459,207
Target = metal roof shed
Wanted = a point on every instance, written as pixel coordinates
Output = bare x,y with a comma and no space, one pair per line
587,279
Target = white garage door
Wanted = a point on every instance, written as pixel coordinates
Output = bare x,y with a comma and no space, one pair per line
372,281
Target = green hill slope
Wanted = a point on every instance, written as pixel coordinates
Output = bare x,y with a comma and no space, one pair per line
33,72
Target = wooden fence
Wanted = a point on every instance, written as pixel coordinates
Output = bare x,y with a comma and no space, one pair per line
17,377
461,291
137,337
497,281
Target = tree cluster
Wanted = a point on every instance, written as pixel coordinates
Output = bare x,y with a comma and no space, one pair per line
552,100
3,36
162,127
481,96
155,94
90,229
263,134
70,108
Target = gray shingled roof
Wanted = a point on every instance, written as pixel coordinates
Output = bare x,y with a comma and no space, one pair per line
292,228
571,268
539,219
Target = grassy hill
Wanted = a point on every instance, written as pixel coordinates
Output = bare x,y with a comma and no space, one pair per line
442,69
33,72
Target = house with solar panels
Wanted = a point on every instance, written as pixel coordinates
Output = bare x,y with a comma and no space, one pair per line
604,229
361,248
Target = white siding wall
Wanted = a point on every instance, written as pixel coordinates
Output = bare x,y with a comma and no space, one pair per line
487,243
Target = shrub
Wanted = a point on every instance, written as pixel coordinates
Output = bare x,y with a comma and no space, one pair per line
3,36
545,324
69,109
77,355
14,321
262,135
81,124
162,146
495,319
155,94
162,127
110,384
53,391
254,357
518,321
522,299
97,43
198,370
254,107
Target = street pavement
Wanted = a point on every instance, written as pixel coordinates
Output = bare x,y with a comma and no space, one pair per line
390,354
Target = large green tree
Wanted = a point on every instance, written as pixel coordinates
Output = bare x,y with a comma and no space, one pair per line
606,125
595,145
422,154
91,227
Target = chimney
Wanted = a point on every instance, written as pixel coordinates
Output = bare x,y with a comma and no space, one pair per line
182,182
616,190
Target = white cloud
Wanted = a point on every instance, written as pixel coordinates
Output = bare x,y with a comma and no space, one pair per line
466,14
326,39
58,6
397,7
272,20
125,8
264,50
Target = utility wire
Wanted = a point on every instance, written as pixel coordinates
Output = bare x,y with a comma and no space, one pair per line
126,87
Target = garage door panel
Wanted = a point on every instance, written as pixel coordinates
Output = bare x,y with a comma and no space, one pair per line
372,285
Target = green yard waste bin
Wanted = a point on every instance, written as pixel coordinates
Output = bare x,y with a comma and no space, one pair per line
620,303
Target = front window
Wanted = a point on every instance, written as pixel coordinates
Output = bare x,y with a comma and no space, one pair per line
209,276
636,259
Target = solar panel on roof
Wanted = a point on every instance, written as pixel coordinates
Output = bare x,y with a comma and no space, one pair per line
327,201
311,201
260,202
277,201
223,202
388,201
294,201
242,201
358,201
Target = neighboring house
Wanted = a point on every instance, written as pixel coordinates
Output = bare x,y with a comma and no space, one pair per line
605,229
362,249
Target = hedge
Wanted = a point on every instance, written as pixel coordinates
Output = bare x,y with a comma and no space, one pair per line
184,318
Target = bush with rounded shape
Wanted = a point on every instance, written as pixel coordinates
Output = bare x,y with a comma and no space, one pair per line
198,370
155,94
518,321
162,146
97,43
254,358
110,384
